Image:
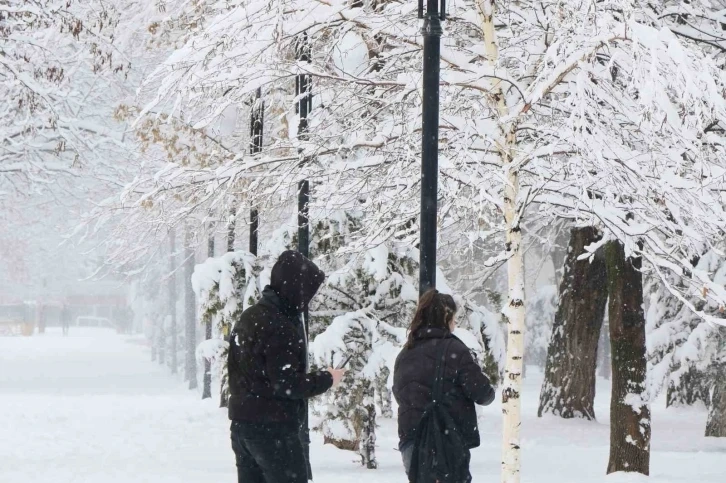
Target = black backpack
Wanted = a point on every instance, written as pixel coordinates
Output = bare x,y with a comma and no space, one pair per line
438,450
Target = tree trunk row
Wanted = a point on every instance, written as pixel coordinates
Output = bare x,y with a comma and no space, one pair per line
165,337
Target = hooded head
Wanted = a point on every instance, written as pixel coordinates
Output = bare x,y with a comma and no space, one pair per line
296,279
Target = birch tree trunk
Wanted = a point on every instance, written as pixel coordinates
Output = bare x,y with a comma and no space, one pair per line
514,310
629,412
514,313
568,390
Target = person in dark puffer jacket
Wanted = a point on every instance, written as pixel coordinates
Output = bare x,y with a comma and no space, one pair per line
413,378
269,379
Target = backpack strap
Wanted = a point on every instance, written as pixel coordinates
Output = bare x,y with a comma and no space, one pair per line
439,371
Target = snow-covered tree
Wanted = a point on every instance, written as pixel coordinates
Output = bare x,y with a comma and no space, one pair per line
224,286
597,113
686,358
377,294
349,416
589,81
569,387
58,68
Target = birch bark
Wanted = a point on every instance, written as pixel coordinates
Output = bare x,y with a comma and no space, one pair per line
514,309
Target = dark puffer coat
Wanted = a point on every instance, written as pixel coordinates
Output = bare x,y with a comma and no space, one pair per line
267,362
464,385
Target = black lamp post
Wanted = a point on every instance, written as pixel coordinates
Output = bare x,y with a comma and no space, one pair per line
257,123
432,31
303,89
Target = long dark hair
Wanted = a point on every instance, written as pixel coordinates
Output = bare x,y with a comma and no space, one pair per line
435,310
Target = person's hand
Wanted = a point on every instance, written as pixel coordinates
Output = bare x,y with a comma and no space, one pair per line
337,375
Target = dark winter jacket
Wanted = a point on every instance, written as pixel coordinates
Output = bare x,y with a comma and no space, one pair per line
464,385
267,362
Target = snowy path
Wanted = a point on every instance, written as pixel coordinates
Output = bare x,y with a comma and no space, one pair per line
92,408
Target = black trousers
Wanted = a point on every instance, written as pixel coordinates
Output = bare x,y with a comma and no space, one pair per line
268,454
407,455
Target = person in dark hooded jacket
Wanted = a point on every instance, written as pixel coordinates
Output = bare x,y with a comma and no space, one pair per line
464,383
269,380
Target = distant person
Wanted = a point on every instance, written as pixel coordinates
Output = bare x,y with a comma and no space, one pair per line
128,320
430,340
269,379
65,319
41,320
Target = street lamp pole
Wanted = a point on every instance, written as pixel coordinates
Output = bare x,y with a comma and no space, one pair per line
257,123
432,31
304,91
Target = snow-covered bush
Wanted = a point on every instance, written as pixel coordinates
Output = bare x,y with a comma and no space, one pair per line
224,286
685,356
363,309
381,288
482,332
350,412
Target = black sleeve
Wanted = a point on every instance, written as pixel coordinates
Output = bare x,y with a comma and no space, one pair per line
472,380
283,369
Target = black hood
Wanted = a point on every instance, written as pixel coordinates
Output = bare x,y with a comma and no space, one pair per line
296,279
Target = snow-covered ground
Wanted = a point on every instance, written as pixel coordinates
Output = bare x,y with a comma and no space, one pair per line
92,408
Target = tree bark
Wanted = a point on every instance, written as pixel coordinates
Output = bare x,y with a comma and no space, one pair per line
514,310
172,302
629,412
367,445
558,254
190,308
568,390
716,424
